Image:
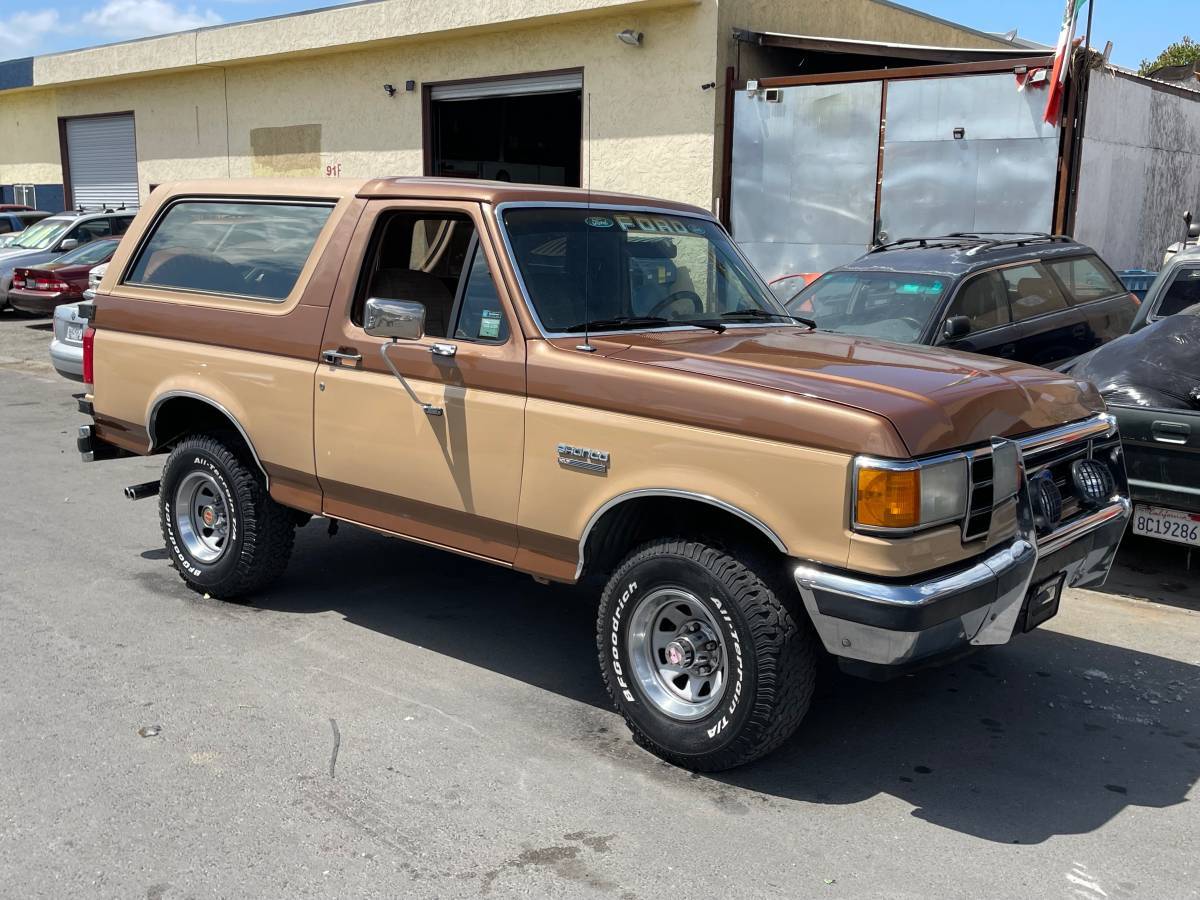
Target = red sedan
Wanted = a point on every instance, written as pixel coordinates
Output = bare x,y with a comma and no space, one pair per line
40,289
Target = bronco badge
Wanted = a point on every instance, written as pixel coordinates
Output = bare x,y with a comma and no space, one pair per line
583,458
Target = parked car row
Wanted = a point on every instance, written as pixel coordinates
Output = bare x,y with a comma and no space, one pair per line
51,237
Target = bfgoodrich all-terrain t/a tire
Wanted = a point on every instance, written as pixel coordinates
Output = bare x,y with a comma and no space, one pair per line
226,536
702,655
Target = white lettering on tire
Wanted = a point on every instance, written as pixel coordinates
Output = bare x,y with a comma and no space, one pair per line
736,643
230,504
616,652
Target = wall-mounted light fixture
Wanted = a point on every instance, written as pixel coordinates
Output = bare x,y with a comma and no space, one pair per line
390,90
630,37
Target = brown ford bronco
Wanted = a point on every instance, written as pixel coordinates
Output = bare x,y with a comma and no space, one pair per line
592,388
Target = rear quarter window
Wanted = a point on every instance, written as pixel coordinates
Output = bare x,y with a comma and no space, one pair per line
234,248
1086,279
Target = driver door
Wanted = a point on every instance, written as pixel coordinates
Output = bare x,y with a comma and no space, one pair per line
434,455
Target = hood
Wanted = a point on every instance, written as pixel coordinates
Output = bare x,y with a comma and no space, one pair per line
10,258
936,399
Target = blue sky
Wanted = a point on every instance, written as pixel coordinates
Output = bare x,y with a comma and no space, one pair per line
1137,28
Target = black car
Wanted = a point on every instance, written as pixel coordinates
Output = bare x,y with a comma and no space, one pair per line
1036,298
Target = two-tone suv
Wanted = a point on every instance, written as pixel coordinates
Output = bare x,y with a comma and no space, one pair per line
592,388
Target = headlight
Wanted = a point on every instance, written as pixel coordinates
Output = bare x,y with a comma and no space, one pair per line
906,496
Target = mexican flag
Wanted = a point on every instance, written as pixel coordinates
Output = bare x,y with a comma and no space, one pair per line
1062,56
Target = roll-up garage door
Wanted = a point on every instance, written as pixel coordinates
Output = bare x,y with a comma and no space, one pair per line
509,87
102,157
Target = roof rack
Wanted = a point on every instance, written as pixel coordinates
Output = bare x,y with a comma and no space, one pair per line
976,240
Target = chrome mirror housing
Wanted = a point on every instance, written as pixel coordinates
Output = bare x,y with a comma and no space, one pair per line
402,320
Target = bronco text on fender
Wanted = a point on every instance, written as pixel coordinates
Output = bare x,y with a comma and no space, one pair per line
592,388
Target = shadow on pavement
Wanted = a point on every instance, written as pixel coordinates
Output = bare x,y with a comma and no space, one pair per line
1052,734
1156,570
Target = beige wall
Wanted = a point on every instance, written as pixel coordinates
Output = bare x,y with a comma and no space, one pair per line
29,138
651,124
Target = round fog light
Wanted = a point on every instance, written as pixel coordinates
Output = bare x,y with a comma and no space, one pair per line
1093,481
1047,502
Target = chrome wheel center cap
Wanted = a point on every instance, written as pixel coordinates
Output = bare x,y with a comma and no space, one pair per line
679,653
208,516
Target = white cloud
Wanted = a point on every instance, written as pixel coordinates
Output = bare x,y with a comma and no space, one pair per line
26,30
137,18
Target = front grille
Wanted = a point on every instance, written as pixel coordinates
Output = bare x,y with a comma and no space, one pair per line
979,512
1055,461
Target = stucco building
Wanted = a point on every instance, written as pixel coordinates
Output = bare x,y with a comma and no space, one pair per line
529,90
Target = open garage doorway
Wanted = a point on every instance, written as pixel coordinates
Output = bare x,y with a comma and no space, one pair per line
527,128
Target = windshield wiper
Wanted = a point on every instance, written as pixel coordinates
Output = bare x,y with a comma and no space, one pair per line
642,322
755,313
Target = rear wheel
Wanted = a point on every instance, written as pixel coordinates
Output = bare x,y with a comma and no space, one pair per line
226,536
702,655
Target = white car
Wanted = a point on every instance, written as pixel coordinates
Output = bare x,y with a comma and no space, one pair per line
66,347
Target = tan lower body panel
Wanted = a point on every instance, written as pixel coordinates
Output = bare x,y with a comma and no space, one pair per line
269,396
797,493
451,479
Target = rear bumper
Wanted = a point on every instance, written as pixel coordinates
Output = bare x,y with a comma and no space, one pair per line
67,359
38,301
903,623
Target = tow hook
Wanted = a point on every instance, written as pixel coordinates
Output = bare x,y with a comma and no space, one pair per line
142,491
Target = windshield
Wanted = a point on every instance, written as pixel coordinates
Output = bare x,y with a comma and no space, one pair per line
894,306
89,254
43,234
615,270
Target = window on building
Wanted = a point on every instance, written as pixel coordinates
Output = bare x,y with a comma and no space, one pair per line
198,246
1031,292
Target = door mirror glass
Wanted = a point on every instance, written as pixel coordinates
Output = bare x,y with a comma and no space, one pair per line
956,327
402,320
68,244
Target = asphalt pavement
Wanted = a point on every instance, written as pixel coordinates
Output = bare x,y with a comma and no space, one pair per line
392,721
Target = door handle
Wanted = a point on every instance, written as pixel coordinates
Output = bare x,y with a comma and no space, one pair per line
336,357
1171,432
443,349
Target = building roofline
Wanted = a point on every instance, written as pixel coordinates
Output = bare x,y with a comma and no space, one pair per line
957,26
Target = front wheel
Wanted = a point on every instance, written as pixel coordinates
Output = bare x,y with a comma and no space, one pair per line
225,534
702,656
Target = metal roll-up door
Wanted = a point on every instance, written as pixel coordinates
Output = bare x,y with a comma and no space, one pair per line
102,156
509,87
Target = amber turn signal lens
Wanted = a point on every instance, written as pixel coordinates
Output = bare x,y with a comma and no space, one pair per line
888,498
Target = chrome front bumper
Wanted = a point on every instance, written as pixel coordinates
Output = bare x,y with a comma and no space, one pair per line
888,623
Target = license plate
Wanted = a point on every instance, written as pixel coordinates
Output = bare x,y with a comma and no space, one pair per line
1167,524
1042,602
75,333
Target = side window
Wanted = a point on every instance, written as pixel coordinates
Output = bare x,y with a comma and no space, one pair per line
1086,279
86,232
1031,292
481,314
185,250
1182,292
6,225
120,225
983,300
417,256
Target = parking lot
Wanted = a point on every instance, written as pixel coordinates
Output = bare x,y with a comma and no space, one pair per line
389,720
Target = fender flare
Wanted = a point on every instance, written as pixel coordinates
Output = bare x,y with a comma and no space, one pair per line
192,395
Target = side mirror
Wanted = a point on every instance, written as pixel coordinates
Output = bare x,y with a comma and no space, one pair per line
956,327
402,320
68,244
